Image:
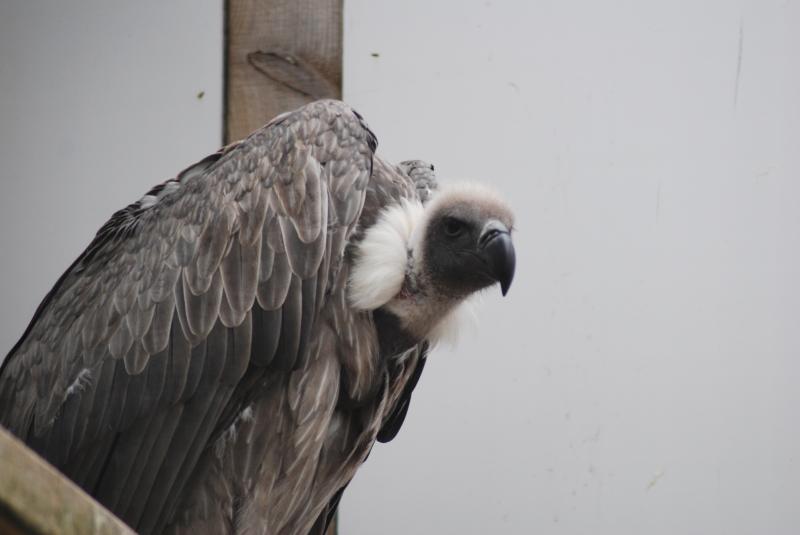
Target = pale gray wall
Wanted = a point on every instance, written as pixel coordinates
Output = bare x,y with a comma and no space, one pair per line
652,154
98,102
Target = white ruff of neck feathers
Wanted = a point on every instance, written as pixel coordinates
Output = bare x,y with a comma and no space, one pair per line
380,269
391,249
448,330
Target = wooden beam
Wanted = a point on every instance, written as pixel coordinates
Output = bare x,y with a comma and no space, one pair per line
280,54
36,499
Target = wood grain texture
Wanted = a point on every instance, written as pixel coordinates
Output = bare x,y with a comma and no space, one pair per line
306,31
35,499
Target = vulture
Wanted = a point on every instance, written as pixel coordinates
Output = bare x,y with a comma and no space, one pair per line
225,353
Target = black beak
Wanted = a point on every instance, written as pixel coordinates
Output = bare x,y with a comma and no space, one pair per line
497,251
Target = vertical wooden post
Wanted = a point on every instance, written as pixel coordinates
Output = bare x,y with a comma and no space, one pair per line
280,54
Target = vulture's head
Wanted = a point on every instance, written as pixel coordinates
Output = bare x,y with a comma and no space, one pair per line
464,243
422,263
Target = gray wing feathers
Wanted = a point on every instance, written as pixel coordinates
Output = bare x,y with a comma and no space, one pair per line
421,173
179,359
157,335
228,316
272,292
238,349
164,284
239,271
266,333
94,401
121,342
178,294
202,310
384,189
138,320
210,250
304,257
286,352
136,358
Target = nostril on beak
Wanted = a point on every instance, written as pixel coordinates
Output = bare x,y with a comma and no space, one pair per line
490,231
487,236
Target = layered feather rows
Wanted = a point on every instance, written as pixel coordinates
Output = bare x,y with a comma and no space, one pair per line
177,276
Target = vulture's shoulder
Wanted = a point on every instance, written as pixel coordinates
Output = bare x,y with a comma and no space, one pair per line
231,259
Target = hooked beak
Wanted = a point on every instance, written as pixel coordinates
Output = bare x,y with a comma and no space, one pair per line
497,250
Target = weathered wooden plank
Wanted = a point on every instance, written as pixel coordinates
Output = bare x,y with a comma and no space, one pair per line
281,54
36,499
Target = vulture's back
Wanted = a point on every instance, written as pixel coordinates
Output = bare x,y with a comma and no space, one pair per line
199,369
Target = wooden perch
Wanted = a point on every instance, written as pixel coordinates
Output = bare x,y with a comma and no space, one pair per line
36,499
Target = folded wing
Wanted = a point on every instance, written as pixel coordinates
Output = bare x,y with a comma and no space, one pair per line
184,305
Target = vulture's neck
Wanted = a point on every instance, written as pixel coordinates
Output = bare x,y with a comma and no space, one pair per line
388,278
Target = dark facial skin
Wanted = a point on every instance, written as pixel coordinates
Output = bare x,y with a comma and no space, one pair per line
467,251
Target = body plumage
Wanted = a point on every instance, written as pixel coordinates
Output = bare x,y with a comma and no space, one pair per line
227,350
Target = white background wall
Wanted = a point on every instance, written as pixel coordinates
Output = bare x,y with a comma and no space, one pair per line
652,155
642,374
98,102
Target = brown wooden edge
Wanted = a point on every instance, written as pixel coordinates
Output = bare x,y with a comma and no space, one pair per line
36,499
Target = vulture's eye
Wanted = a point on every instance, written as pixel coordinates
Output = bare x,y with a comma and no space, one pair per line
453,227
